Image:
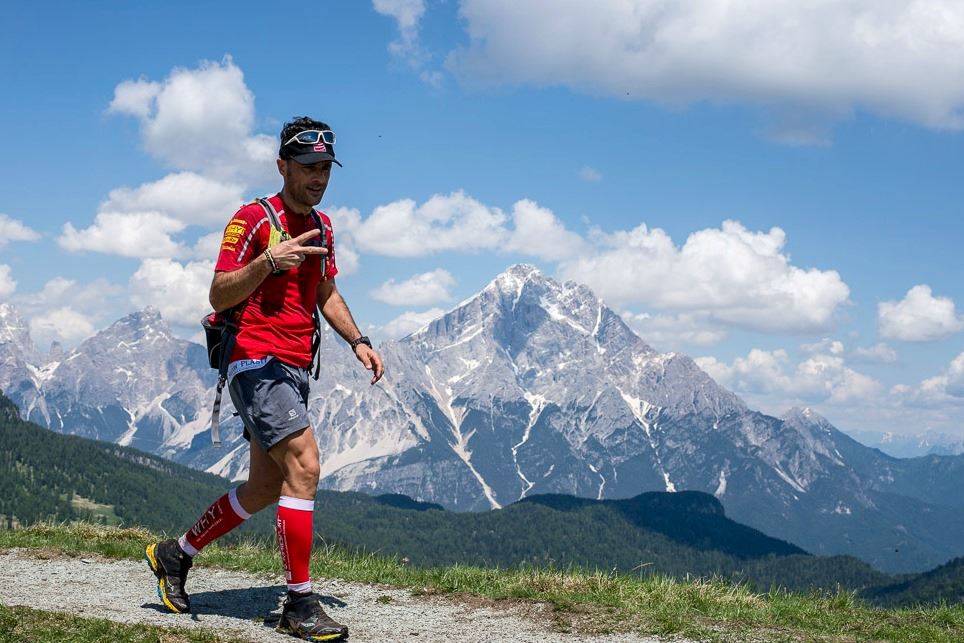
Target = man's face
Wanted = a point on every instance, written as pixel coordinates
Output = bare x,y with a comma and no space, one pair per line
305,184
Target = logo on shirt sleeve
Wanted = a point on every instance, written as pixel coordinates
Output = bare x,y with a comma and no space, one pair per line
233,233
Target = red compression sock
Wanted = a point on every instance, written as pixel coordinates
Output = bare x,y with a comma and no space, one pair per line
294,540
221,517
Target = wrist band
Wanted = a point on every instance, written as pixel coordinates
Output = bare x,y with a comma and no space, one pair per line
271,261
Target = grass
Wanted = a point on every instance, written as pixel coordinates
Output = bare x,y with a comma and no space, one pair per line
25,625
105,513
582,601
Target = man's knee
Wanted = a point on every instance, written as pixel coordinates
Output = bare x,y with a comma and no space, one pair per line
255,496
297,456
305,473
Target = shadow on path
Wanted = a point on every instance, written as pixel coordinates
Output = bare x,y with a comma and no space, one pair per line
248,604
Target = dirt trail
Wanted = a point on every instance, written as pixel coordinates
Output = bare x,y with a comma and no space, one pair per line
247,605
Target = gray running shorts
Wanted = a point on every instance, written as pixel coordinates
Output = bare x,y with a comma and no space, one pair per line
272,401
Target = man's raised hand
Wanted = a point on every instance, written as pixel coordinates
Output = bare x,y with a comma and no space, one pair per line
291,253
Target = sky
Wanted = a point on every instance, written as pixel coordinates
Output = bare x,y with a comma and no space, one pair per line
769,186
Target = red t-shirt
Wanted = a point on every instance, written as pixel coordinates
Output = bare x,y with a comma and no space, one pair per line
276,319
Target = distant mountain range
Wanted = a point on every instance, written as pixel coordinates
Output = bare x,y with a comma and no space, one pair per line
529,387
48,476
912,445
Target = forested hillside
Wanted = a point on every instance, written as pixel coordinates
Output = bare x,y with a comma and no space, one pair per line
682,534
49,476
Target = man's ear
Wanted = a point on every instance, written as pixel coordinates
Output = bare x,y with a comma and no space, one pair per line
282,167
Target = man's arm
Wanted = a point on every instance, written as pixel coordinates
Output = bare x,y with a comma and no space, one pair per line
231,288
335,311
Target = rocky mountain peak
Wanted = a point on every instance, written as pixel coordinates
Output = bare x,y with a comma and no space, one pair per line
144,326
14,330
805,416
518,272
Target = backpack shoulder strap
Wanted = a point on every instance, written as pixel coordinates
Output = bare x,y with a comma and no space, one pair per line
315,368
278,233
320,224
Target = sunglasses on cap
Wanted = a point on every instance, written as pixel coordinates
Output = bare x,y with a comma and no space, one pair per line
312,137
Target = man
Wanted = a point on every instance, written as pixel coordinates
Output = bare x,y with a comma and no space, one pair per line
272,283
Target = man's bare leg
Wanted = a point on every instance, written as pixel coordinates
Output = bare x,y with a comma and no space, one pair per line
296,457
170,560
302,615
264,484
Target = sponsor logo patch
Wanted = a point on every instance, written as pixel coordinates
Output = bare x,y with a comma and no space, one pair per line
320,148
234,229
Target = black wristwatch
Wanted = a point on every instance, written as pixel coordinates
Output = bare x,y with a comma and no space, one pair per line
361,340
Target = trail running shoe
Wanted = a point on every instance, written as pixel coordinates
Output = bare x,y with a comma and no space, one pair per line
302,616
170,565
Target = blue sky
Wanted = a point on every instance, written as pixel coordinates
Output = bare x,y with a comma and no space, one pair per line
770,187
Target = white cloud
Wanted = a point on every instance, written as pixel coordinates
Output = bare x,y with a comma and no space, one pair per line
731,274
673,332
346,223
760,371
807,64
940,392
444,222
406,13
955,377
14,230
770,374
64,324
138,234
825,345
200,120
880,353
407,48
918,317
143,222
539,233
7,284
179,291
590,174
461,223
196,119
208,246
409,322
68,312
185,196
60,291
135,97
419,290
829,375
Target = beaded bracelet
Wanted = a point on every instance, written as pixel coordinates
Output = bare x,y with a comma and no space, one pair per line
274,265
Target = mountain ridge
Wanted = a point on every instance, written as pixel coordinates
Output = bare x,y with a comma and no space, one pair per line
529,387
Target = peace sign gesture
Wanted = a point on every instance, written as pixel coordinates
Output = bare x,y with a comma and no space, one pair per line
291,253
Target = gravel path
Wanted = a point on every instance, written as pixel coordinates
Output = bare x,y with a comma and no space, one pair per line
248,605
